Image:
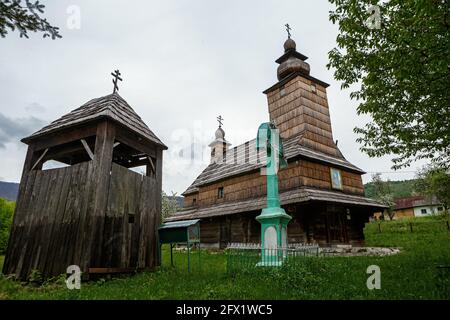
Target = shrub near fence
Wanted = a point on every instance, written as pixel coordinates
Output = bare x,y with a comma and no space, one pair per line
248,256
414,225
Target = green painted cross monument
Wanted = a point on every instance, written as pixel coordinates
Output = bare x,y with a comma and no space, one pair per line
273,218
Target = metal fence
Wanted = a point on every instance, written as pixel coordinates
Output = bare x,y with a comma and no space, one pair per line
247,256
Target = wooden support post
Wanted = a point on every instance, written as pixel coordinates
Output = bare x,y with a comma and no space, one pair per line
171,255
448,226
379,227
102,175
411,227
88,150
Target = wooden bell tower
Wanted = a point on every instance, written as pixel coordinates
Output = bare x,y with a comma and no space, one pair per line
92,211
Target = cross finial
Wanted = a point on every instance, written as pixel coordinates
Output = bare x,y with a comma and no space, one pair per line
219,120
116,75
288,29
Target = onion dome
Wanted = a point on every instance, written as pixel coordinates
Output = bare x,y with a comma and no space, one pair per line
291,61
220,134
289,44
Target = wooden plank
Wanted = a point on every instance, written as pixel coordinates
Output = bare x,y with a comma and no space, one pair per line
56,245
84,194
117,270
27,227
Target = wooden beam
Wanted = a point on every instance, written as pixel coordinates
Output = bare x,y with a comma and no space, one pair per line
135,142
63,136
152,164
116,144
39,159
117,270
88,150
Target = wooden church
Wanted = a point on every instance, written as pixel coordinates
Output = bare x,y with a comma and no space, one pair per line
94,212
320,189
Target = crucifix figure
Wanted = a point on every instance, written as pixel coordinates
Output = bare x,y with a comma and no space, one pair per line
288,29
219,120
116,76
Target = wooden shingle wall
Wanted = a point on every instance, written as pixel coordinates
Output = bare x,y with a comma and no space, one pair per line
303,108
299,173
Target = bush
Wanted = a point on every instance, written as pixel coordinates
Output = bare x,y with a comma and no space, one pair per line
6,216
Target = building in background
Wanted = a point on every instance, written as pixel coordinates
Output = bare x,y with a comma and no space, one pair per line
416,206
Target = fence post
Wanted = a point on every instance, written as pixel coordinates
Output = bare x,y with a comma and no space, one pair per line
410,227
448,226
379,227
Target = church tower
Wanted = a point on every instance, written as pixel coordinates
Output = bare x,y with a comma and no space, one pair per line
298,103
219,146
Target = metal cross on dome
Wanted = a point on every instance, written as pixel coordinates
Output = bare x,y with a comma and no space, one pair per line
116,75
288,29
220,120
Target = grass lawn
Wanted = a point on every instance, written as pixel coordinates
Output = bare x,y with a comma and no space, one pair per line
412,274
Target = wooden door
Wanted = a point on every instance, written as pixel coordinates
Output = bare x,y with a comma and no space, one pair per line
336,223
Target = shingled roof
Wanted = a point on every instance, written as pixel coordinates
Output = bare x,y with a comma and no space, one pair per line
244,159
111,106
297,195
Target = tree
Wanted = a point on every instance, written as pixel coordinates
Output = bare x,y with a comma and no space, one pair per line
434,183
395,54
169,205
383,193
6,216
25,17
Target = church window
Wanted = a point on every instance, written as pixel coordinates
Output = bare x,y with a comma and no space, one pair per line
220,193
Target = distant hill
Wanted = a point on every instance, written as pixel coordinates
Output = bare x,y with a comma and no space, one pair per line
400,189
9,190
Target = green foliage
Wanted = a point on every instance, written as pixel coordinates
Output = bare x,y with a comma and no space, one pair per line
434,182
412,274
383,193
399,189
35,278
400,75
169,205
25,17
6,216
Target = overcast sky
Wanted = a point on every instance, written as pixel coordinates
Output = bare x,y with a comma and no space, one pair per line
183,63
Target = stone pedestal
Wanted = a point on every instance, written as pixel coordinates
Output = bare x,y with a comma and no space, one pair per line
273,236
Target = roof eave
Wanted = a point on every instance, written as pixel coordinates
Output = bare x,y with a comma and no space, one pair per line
33,137
293,75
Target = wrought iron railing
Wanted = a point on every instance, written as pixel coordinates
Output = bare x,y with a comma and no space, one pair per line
246,256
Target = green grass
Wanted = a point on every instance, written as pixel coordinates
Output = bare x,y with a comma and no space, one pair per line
412,274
